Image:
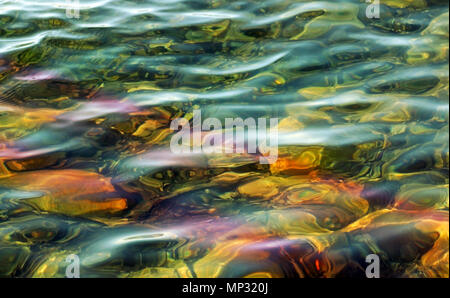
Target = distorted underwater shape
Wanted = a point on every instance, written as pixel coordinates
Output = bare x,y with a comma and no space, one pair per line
86,166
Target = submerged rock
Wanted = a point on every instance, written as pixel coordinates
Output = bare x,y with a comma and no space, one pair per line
70,192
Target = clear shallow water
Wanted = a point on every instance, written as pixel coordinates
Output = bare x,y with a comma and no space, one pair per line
85,112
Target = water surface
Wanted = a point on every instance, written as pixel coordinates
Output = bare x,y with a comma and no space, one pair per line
85,165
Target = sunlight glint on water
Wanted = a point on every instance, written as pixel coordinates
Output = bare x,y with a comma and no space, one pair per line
87,98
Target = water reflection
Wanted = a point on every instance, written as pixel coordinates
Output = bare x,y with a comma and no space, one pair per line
85,164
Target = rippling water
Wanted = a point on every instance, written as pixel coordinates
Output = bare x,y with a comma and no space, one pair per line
85,165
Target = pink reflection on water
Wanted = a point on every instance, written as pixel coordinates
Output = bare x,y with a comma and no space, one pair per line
99,108
38,75
17,153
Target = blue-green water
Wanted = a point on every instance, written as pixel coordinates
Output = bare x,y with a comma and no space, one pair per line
88,92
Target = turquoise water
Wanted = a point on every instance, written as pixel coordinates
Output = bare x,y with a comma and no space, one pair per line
88,92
